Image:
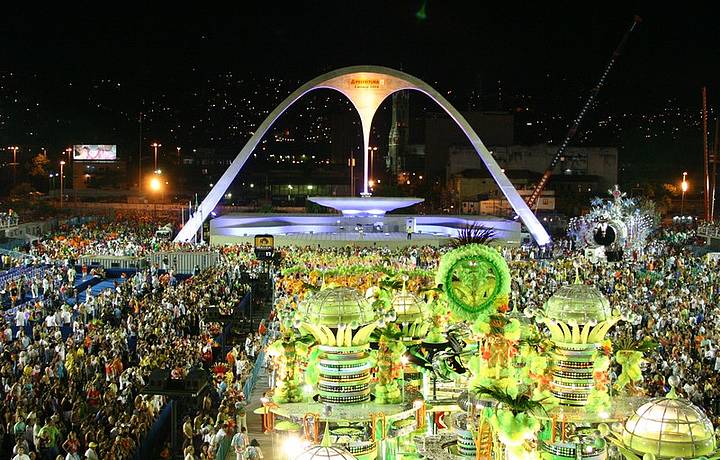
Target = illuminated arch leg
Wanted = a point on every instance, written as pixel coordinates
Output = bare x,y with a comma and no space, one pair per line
366,87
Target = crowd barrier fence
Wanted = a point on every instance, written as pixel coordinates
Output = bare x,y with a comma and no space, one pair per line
252,379
183,262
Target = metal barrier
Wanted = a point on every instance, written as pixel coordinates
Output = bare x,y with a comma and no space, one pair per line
709,231
252,379
8,220
15,254
183,262
109,261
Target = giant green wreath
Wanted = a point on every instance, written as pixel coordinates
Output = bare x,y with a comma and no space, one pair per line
475,278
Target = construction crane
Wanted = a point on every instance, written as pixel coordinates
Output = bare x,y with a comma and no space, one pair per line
532,199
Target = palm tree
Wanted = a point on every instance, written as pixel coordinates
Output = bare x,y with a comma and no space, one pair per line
473,233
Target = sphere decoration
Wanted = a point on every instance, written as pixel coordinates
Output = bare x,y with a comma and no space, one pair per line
325,453
669,427
337,306
475,279
579,302
408,307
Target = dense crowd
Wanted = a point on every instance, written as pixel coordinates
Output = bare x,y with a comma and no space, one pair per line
71,375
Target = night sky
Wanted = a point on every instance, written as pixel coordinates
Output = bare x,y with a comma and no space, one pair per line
526,46
672,54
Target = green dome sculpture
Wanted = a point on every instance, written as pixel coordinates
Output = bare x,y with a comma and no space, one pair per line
578,302
337,306
669,428
325,453
408,307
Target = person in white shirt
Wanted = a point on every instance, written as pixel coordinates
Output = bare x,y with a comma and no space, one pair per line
35,288
21,455
66,316
20,318
218,438
50,321
90,453
71,275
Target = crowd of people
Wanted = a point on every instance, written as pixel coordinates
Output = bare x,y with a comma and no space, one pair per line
71,375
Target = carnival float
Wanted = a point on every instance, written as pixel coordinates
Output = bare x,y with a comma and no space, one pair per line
614,227
375,363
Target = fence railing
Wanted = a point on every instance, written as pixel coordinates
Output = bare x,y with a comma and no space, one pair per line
15,254
8,221
182,262
257,367
709,231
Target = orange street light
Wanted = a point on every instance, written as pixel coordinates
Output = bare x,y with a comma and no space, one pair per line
684,187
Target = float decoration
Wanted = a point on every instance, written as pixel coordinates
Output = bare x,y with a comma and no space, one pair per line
287,386
579,317
514,420
542,384
619,222
344,368
630,356
475,279
665,428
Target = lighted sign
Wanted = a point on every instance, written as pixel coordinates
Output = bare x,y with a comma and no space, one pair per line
264,242
264,246
360,83
91,152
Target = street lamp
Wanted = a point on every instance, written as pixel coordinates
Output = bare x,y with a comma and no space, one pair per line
14,149
684,187
62,165
372,162
155,145
156,186
178,158
351,164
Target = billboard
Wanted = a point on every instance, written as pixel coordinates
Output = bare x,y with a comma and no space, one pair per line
91,152
264,246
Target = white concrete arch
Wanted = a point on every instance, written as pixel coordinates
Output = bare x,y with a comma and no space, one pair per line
366,87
